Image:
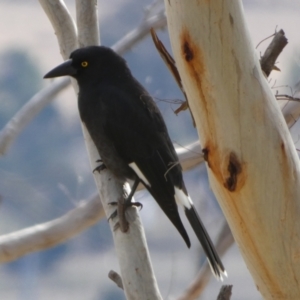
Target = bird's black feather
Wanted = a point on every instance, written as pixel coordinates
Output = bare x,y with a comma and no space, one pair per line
128,128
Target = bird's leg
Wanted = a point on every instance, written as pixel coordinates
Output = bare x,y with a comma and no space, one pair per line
100,167
123,204
129,197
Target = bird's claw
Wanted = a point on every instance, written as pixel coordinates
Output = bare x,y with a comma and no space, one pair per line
137,204
113,215
101,167
126,205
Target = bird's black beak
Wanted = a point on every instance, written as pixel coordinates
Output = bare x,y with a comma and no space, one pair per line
63,69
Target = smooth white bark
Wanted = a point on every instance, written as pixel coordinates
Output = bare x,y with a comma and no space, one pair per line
49,234
252,163
63,25
87,23
25,115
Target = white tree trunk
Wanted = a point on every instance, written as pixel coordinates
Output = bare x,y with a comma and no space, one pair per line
251,160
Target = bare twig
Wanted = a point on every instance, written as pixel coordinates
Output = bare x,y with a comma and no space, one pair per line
291,112
171,65
268,60
225,292
168,60
116,278
286,97
265,39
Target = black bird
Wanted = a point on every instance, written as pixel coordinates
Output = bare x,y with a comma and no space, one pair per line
131,136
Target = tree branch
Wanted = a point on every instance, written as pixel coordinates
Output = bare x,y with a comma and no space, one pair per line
87,22
225,292
157,21
131,247
49,234
25,115
268,60
63,25
116,278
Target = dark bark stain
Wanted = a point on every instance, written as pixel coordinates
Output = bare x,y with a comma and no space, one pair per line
234,169
205,152
231,20
188,51
195,66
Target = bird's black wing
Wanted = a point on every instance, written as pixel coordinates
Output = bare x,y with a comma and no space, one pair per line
136,127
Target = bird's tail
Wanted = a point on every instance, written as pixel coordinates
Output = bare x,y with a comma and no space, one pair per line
208,247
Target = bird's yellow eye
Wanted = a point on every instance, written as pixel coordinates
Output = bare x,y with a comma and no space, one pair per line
84,64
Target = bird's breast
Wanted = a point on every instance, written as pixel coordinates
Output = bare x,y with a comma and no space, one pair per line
94,116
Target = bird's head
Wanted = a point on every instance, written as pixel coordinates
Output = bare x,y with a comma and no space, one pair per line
90,62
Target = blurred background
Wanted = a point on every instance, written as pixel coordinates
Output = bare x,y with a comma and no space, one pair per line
46,171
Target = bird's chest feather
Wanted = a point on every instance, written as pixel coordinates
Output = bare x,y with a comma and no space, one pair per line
97,110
